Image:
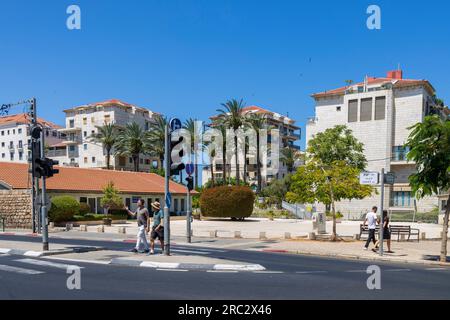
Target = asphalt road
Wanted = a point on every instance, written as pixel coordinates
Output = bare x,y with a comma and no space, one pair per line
287,277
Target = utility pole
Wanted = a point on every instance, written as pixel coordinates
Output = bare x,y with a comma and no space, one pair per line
381,211
35,181
167,194
44,220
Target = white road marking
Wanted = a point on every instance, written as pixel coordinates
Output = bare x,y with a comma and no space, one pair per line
4,250
19,270
398,270
189,251
268,272
357,271
222,271
436,269
47,264
206,250
241,244
174,270
310,272
80,260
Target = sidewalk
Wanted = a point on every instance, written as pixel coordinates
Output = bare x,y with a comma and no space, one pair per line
424,252
34,249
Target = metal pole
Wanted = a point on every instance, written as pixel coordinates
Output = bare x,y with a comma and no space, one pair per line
44,221
166,192
188,217
381,211
35,181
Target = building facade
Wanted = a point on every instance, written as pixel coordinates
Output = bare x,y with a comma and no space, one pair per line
78,150
15,137
289,133
379,111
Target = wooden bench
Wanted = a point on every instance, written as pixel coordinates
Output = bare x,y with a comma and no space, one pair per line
364,229
404,230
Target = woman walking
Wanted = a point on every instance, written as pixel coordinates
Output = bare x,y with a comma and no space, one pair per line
386,233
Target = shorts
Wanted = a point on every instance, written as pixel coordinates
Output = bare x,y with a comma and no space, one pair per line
157,234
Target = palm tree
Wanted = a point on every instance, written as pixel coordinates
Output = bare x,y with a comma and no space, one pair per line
157,134
289,156
189,125
106,136
232,116
133,141
257,122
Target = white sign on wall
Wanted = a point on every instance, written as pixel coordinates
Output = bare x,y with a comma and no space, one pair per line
370,178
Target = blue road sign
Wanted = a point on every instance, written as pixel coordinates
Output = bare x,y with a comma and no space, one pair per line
168,200
190,168
175,124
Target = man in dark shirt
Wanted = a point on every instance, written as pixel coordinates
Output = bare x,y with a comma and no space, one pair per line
142,217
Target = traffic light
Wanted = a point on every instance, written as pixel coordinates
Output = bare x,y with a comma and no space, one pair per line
190,183
176,154
49,170
43,167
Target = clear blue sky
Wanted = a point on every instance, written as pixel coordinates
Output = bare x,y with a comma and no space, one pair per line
184,57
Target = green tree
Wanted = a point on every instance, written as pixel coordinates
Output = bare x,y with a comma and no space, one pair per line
133,141
313,183
157,134
258,122
232,116
276,191
335,160
111,198
106,136
429,144
290,156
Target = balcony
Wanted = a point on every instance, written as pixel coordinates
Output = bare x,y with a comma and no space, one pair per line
56,153
11,148
294,136
70,129
19,147
72,140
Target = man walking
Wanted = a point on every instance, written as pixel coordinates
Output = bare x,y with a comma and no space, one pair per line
157,227
371,220
142,217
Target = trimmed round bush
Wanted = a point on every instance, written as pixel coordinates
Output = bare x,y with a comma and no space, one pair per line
63,209
227,202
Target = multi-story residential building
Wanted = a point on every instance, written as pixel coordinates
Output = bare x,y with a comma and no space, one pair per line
81,123
289,133
380,111
15,137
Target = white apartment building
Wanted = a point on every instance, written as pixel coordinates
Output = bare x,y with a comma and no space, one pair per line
289,134
379,111
15,137
79,150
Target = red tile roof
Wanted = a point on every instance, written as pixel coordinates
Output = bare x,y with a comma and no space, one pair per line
89,180
373,81
23,118
111,102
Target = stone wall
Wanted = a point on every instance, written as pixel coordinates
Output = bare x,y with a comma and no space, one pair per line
15,207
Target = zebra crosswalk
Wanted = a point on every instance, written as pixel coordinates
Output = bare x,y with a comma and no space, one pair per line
33,266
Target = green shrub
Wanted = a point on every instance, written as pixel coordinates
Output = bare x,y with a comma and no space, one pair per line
84,209
118,212
63,208
227,202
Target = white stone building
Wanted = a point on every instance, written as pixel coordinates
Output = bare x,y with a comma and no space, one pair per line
289,133
81,123
15,137
379,111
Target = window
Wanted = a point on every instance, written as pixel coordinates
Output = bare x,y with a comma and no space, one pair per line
83,200
182,204
402,199
141,161
338,108
20,144
93,159
399,153
122,161
11,156
366,109
85,160
3,132
175,205
14,131
3,144
352,110
19,131
8,132
54,133
85,146
20,156
85,134
3,156
92,119
84,121
47,133
380,108
71,148
130,160
71,123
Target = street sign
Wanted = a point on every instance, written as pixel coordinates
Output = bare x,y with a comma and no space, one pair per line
370,178
190,168
389,178
175,124
168,200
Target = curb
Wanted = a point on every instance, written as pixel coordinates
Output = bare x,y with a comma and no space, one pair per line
37,254
189,266
357,257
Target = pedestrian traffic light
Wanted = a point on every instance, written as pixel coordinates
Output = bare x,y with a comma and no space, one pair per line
50,171
190,183
43,167
176,154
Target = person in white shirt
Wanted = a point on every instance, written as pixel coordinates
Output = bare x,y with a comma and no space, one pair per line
371,221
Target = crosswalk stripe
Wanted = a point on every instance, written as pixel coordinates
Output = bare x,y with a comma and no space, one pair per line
357,271
19,270
436,269
310,272
207,250
189,251
173,270
47,264
398,270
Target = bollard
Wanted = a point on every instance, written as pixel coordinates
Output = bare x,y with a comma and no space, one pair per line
122,230
287,235
101,229
213,234
237,234
356,236
262,236
52,225
423,236
83,228
311,236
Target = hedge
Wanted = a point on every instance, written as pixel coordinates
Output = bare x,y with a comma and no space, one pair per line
63,208
84,209
227,202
